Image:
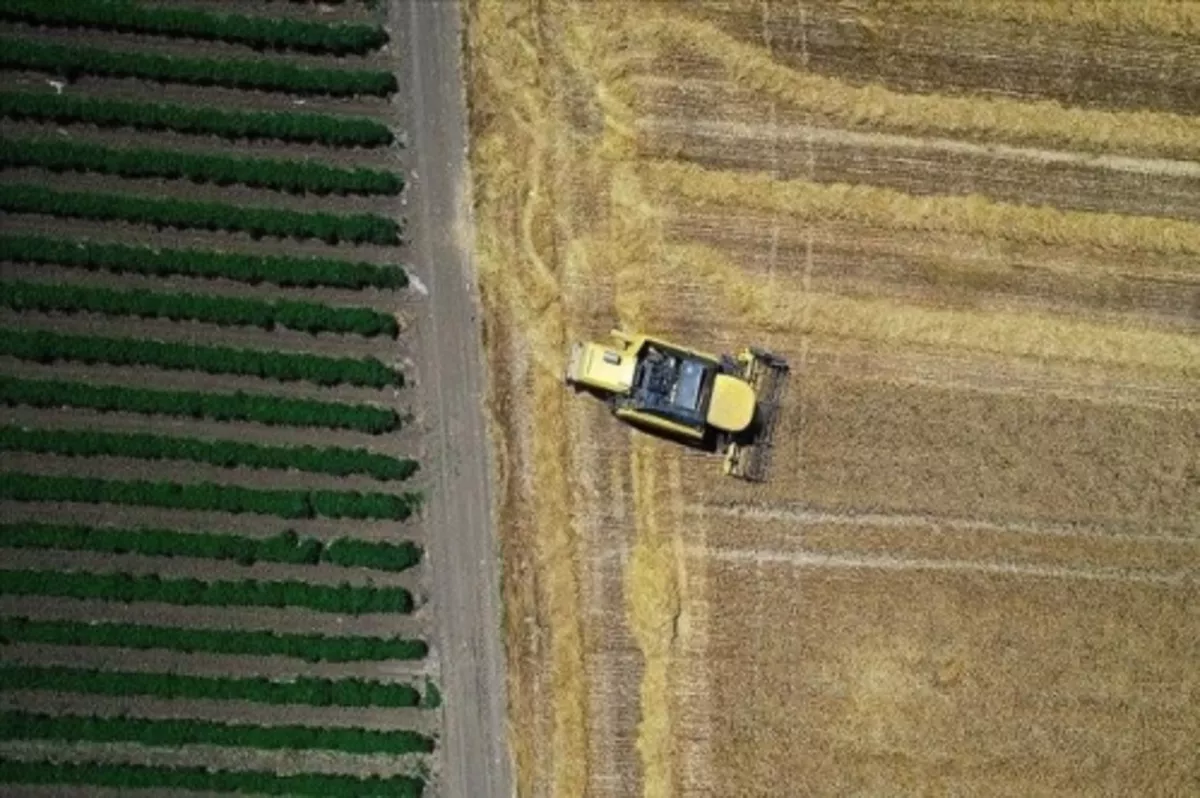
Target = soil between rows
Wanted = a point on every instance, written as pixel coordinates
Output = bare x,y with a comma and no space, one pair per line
279,668
214,241
284,621
387,158
241,196
285,762
404,304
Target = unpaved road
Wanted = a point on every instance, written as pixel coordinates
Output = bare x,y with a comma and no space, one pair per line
465,590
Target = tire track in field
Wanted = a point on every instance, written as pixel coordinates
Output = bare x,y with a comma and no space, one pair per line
1184,578
811,517
1163,17
931,166
799,134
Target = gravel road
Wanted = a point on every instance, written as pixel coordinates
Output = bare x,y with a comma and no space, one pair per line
462,550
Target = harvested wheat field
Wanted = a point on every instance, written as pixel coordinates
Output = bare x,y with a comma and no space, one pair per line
973,228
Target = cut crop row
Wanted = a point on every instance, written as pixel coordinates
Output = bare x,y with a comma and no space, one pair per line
258,32
265,74
207,496
174,733
294,126
285,547
257,408
43,346
130,588
125,777
265,643
308,317
250,269
224,454
294,177
160,213
302,690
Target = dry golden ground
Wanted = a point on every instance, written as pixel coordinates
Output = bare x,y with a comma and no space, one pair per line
975,567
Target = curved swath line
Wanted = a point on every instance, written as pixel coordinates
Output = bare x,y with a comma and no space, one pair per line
809,559
807,517
967,116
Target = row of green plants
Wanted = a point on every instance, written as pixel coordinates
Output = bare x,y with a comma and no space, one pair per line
225,454
308,317
17,725
43,346
304,690
264,74
260,33
234,125
257,222
124,777
261,409
129,588
284,547
294,177
260,643
278,270
208,496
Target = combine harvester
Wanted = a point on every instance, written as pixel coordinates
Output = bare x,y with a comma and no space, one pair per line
722,403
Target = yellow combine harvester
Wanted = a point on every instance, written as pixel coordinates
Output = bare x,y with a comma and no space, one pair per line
725,403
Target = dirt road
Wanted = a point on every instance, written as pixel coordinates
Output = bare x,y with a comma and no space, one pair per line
475,759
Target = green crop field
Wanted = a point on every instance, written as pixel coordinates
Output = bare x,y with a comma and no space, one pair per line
212,482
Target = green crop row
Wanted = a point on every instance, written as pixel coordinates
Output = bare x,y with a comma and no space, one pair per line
236,73
257,222
207,496
257,32
225,454
251,269
310,647
308,317
303,690
379,555
125,778
129,588
174,733
49,347
367,3
304,128
285,547
269,410
294,177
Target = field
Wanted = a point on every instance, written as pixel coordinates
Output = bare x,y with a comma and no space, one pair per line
972,229
217,450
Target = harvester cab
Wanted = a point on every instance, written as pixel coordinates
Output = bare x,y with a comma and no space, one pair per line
728,403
